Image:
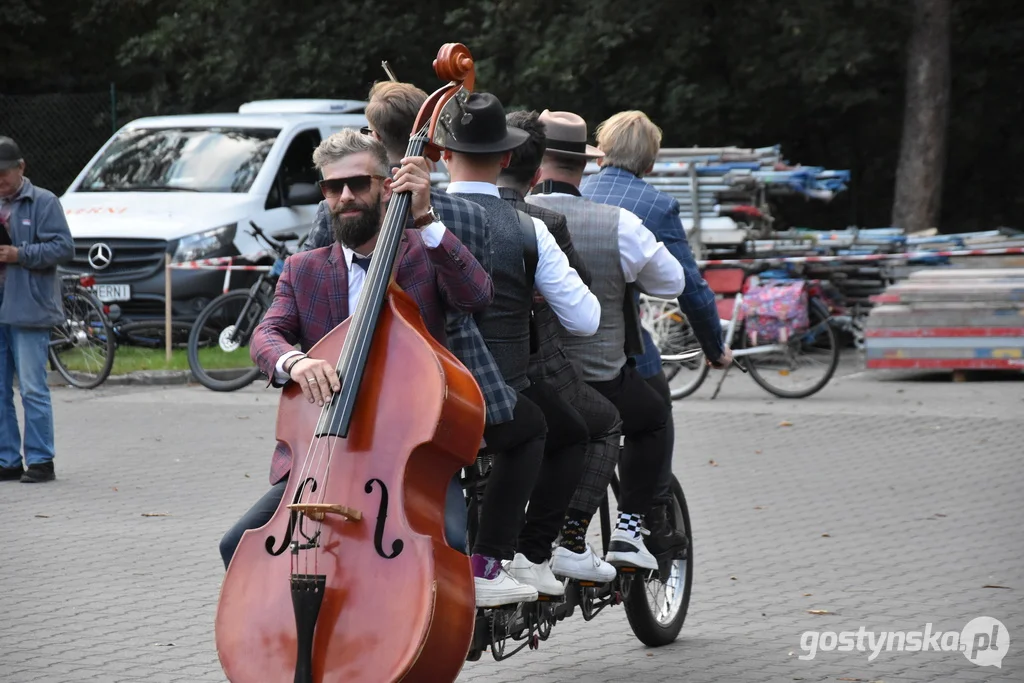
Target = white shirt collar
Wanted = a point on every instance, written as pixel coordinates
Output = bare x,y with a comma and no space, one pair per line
472,187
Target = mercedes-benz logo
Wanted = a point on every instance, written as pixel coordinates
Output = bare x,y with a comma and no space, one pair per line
100,255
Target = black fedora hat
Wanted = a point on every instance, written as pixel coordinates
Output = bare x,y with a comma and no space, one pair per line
480,127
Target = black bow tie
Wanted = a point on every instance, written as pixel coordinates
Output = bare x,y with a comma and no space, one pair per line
362,262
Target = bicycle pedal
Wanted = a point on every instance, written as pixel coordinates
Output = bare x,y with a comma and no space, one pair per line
550,598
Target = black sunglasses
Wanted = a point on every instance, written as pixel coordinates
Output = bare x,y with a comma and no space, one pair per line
333,187
366,130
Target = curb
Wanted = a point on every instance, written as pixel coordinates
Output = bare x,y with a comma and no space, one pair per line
140,378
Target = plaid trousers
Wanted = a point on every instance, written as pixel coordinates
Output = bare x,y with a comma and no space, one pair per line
602,454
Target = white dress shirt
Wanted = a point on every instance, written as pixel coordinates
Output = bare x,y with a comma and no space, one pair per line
432,236
561,286
644,259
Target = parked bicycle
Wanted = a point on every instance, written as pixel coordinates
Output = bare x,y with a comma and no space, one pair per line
795,366
655,601
229,322
82,346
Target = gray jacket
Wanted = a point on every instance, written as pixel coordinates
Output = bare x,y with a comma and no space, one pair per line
30,295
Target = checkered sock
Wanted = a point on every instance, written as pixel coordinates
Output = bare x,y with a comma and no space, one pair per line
630,522
574,532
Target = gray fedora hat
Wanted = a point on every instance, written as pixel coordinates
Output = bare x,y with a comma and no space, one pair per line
567,135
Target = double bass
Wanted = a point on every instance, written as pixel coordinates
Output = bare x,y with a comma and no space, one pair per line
352,580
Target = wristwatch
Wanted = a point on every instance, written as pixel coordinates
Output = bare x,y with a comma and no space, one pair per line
426,219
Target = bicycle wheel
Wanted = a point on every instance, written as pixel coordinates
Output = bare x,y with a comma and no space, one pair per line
82,347
673,336
657,610
805,365
150,334
230,320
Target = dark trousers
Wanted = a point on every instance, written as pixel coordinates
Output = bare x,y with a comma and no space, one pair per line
560,471
260,513
645,417
518,448
663,491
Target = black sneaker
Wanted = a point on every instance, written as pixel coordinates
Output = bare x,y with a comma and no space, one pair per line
38,473
664,537
11,473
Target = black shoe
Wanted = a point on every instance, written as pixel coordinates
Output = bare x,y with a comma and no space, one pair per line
664,536
11,473
36,474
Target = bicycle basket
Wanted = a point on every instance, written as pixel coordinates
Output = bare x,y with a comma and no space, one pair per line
774,313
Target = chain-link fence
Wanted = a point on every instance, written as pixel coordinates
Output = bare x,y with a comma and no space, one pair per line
58,133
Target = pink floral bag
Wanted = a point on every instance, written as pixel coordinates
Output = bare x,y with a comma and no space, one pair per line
773,313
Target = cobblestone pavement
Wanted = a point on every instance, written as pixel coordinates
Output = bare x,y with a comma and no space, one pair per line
886,501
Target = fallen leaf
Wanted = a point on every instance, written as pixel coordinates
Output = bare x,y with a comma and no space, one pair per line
785,423
850,679
165,644
242,417
247,476
712,463
113,488
44,516
650,654
807,595
734,578
758,451
826,535
156,514
987,585
819,611
759,507
939,514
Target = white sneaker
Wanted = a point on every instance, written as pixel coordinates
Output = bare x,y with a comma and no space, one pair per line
585,566
502,590
628,550
537,575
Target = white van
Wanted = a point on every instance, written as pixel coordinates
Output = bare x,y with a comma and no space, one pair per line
189,186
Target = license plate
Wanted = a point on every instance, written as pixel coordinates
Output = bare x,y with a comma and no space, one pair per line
108,293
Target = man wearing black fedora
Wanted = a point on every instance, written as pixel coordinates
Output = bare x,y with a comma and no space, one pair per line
618,251
523,255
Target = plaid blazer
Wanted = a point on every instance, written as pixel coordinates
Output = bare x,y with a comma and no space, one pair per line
659,212
550,363
469,223
312,299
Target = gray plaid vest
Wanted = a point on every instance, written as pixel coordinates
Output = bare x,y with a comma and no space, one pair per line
595,234
505,324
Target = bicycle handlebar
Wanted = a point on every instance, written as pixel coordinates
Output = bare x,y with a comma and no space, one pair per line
278,247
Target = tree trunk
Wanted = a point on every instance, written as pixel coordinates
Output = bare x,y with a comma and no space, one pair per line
925,117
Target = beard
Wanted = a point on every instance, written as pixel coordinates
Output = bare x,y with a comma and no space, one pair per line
354,231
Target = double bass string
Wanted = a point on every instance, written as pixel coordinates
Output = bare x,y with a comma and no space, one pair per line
377,282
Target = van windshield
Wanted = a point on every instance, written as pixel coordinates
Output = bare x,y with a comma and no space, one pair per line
181,159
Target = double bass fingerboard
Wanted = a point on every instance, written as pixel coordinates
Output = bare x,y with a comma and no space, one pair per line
356,349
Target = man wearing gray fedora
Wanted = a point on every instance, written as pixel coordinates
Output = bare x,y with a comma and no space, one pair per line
34,240
619,251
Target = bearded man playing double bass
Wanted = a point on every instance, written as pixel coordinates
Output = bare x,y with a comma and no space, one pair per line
319,288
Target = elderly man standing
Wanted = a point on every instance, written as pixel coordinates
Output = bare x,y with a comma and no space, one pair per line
630,142
34,239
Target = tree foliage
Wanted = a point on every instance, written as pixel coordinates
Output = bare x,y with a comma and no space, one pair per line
825,78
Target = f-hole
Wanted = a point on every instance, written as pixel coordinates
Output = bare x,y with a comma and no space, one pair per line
292,519
382,517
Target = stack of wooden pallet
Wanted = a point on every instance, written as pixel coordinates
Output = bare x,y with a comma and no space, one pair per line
950,319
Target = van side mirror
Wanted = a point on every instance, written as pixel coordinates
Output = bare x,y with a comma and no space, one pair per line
302,194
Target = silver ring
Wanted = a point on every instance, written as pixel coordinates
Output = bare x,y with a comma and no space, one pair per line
310,380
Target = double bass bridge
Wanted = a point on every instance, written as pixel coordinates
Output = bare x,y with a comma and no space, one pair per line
319,511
